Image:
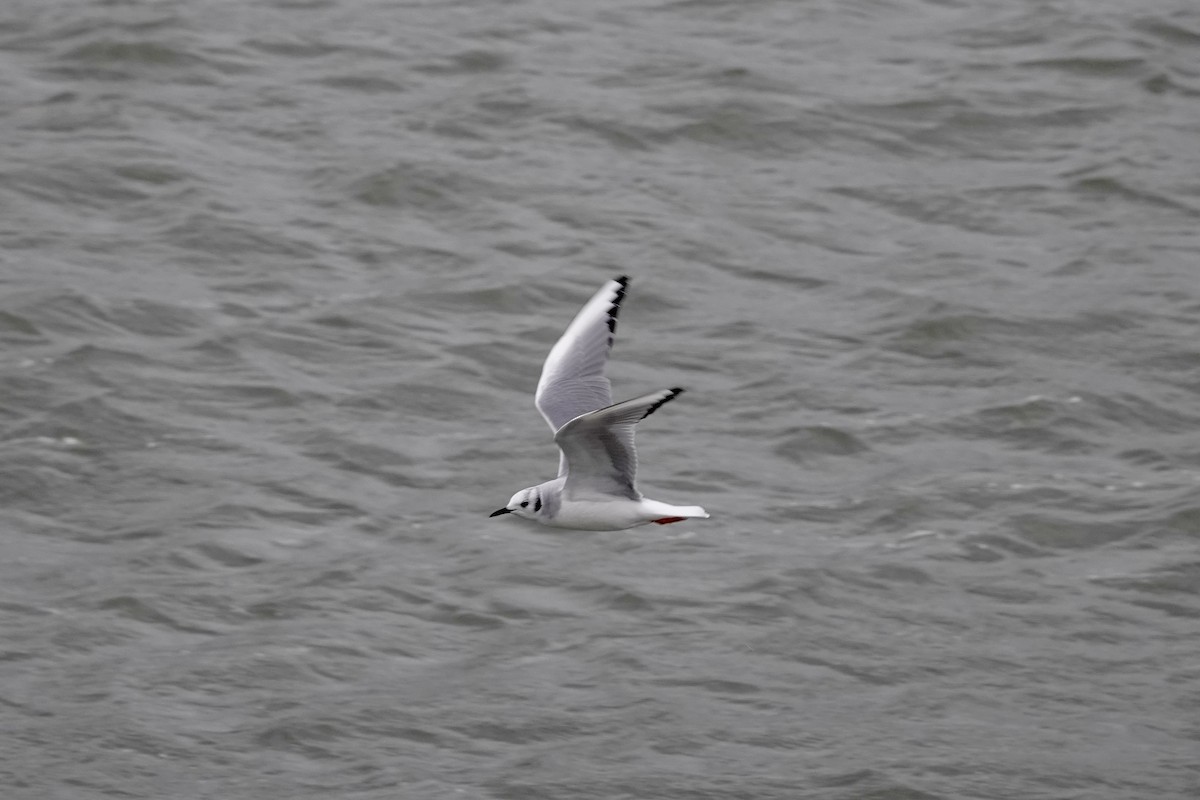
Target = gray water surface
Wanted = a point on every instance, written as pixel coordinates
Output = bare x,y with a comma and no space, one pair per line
276,281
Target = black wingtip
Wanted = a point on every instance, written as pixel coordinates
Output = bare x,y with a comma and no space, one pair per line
673,394
615,308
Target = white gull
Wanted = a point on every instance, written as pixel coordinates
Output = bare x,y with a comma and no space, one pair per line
596,487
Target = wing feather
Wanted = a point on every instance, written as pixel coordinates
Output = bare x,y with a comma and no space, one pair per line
573,381
598,449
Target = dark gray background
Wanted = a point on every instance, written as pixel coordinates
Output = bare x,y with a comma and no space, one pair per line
276,280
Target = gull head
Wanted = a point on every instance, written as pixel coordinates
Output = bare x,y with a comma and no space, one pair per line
526,503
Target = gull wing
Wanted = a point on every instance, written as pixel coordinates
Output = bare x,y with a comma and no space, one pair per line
573,381
598,446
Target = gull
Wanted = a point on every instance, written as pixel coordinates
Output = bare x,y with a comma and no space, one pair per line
596,487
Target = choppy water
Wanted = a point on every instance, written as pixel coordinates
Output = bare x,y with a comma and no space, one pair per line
276,282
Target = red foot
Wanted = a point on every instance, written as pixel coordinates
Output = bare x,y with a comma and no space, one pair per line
669,520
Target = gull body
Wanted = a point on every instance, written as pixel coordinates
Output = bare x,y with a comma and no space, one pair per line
596,487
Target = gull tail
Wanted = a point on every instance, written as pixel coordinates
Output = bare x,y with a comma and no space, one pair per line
665,514
689,512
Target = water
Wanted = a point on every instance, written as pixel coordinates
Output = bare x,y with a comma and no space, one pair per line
277,281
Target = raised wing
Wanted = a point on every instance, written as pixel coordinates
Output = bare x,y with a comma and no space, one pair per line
573,381
598,446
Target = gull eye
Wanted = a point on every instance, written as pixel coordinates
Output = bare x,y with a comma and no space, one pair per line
524,504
